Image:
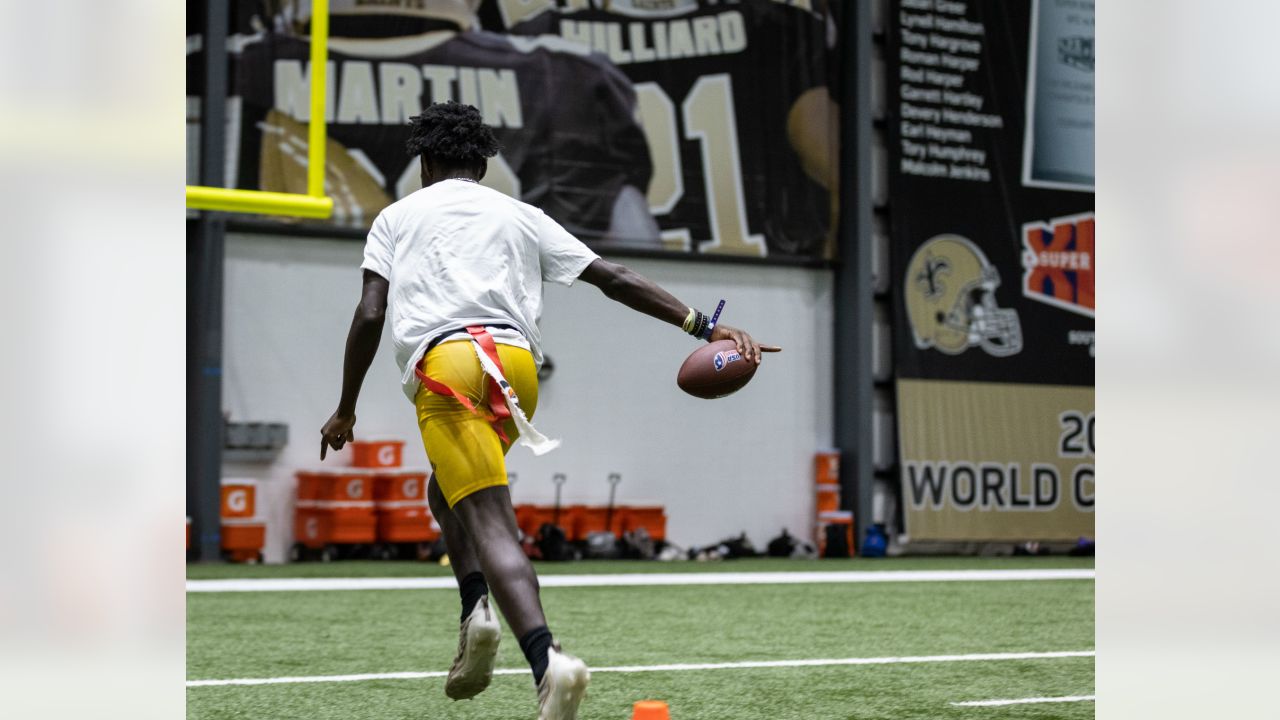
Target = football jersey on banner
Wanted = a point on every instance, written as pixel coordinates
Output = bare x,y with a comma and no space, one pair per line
727,92
565,119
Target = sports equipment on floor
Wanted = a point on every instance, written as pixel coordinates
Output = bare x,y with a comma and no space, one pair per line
650,710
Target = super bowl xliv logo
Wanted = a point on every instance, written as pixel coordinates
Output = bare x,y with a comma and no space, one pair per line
1058,262
724,358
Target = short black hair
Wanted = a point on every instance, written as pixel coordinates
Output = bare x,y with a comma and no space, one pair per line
451,134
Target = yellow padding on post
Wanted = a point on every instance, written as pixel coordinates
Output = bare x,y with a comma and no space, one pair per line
314,204
258,201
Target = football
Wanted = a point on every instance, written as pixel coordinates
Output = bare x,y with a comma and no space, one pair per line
715,370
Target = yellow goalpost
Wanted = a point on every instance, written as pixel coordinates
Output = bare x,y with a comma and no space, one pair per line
314,204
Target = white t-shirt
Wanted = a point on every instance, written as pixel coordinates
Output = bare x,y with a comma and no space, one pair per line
458,254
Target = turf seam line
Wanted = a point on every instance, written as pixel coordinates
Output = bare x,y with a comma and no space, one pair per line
676,667
1025,701
648,579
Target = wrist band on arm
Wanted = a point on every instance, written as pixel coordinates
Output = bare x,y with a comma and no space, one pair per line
699,325
691,322
688,321
711,325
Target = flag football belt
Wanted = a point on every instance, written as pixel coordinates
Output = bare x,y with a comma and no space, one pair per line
501,398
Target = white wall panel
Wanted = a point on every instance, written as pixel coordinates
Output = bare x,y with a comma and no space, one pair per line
721,467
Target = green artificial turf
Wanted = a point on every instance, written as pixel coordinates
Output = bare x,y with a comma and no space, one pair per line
378,568
272,634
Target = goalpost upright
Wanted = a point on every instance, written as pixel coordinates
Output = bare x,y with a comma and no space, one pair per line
314,204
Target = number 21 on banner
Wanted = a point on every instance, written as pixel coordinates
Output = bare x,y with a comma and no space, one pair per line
708,117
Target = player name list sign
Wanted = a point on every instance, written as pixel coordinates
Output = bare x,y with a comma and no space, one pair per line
942,109
993,276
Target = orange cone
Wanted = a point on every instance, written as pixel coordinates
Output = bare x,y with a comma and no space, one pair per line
650,710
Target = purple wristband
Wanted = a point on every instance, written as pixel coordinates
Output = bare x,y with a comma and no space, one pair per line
711,326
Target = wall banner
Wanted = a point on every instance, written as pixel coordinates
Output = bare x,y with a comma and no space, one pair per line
992,231
687,126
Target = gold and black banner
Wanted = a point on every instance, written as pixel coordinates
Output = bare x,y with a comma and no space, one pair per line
992,230
677,127
994,461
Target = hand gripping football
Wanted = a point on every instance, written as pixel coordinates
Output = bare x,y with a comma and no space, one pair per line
715,370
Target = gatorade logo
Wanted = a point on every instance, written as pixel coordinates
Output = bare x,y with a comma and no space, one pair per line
410,488
355,489
311,528
237,501
387,455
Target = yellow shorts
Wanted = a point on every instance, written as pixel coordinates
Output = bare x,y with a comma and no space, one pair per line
466,454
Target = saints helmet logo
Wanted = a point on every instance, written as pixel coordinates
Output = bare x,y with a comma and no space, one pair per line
960,313
930,278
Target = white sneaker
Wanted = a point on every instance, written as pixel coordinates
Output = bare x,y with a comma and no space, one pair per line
477,648
563,686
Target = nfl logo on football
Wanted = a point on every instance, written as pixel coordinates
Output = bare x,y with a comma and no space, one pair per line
724,358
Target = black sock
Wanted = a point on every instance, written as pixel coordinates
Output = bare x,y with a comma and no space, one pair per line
535,645
472,587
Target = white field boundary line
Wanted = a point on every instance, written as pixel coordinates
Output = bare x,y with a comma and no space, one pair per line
648,579
679,667
1025,701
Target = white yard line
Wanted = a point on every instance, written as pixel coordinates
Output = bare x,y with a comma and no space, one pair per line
1025,701
678,667
647,579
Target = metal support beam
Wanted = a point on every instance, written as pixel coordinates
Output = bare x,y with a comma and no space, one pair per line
205,243
854,296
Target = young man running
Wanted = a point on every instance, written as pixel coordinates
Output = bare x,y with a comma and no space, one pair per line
461,267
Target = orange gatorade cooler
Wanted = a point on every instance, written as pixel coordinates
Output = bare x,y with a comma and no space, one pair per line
828,498
239,497
400,500
653,518
826,467
346,503
308,485
399,485
839,518
377,453
334,506
306,514
407,525
243,532
243,539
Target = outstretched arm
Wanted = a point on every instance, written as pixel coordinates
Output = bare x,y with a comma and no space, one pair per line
641,294
362,345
